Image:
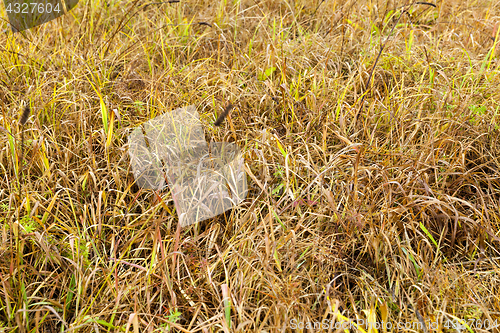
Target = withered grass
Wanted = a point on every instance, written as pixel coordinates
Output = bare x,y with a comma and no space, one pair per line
393,216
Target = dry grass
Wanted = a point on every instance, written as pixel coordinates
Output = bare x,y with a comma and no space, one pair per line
395,216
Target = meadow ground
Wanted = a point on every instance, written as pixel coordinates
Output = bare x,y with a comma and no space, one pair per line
371,197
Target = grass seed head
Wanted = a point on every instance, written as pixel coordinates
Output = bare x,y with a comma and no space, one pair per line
223,115
25,115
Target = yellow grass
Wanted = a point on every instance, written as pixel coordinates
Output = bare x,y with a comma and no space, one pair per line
371,197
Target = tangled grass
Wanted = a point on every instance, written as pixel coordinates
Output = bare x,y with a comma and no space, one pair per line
374,200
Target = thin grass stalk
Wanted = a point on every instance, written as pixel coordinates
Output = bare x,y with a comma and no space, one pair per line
382,47
22,122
